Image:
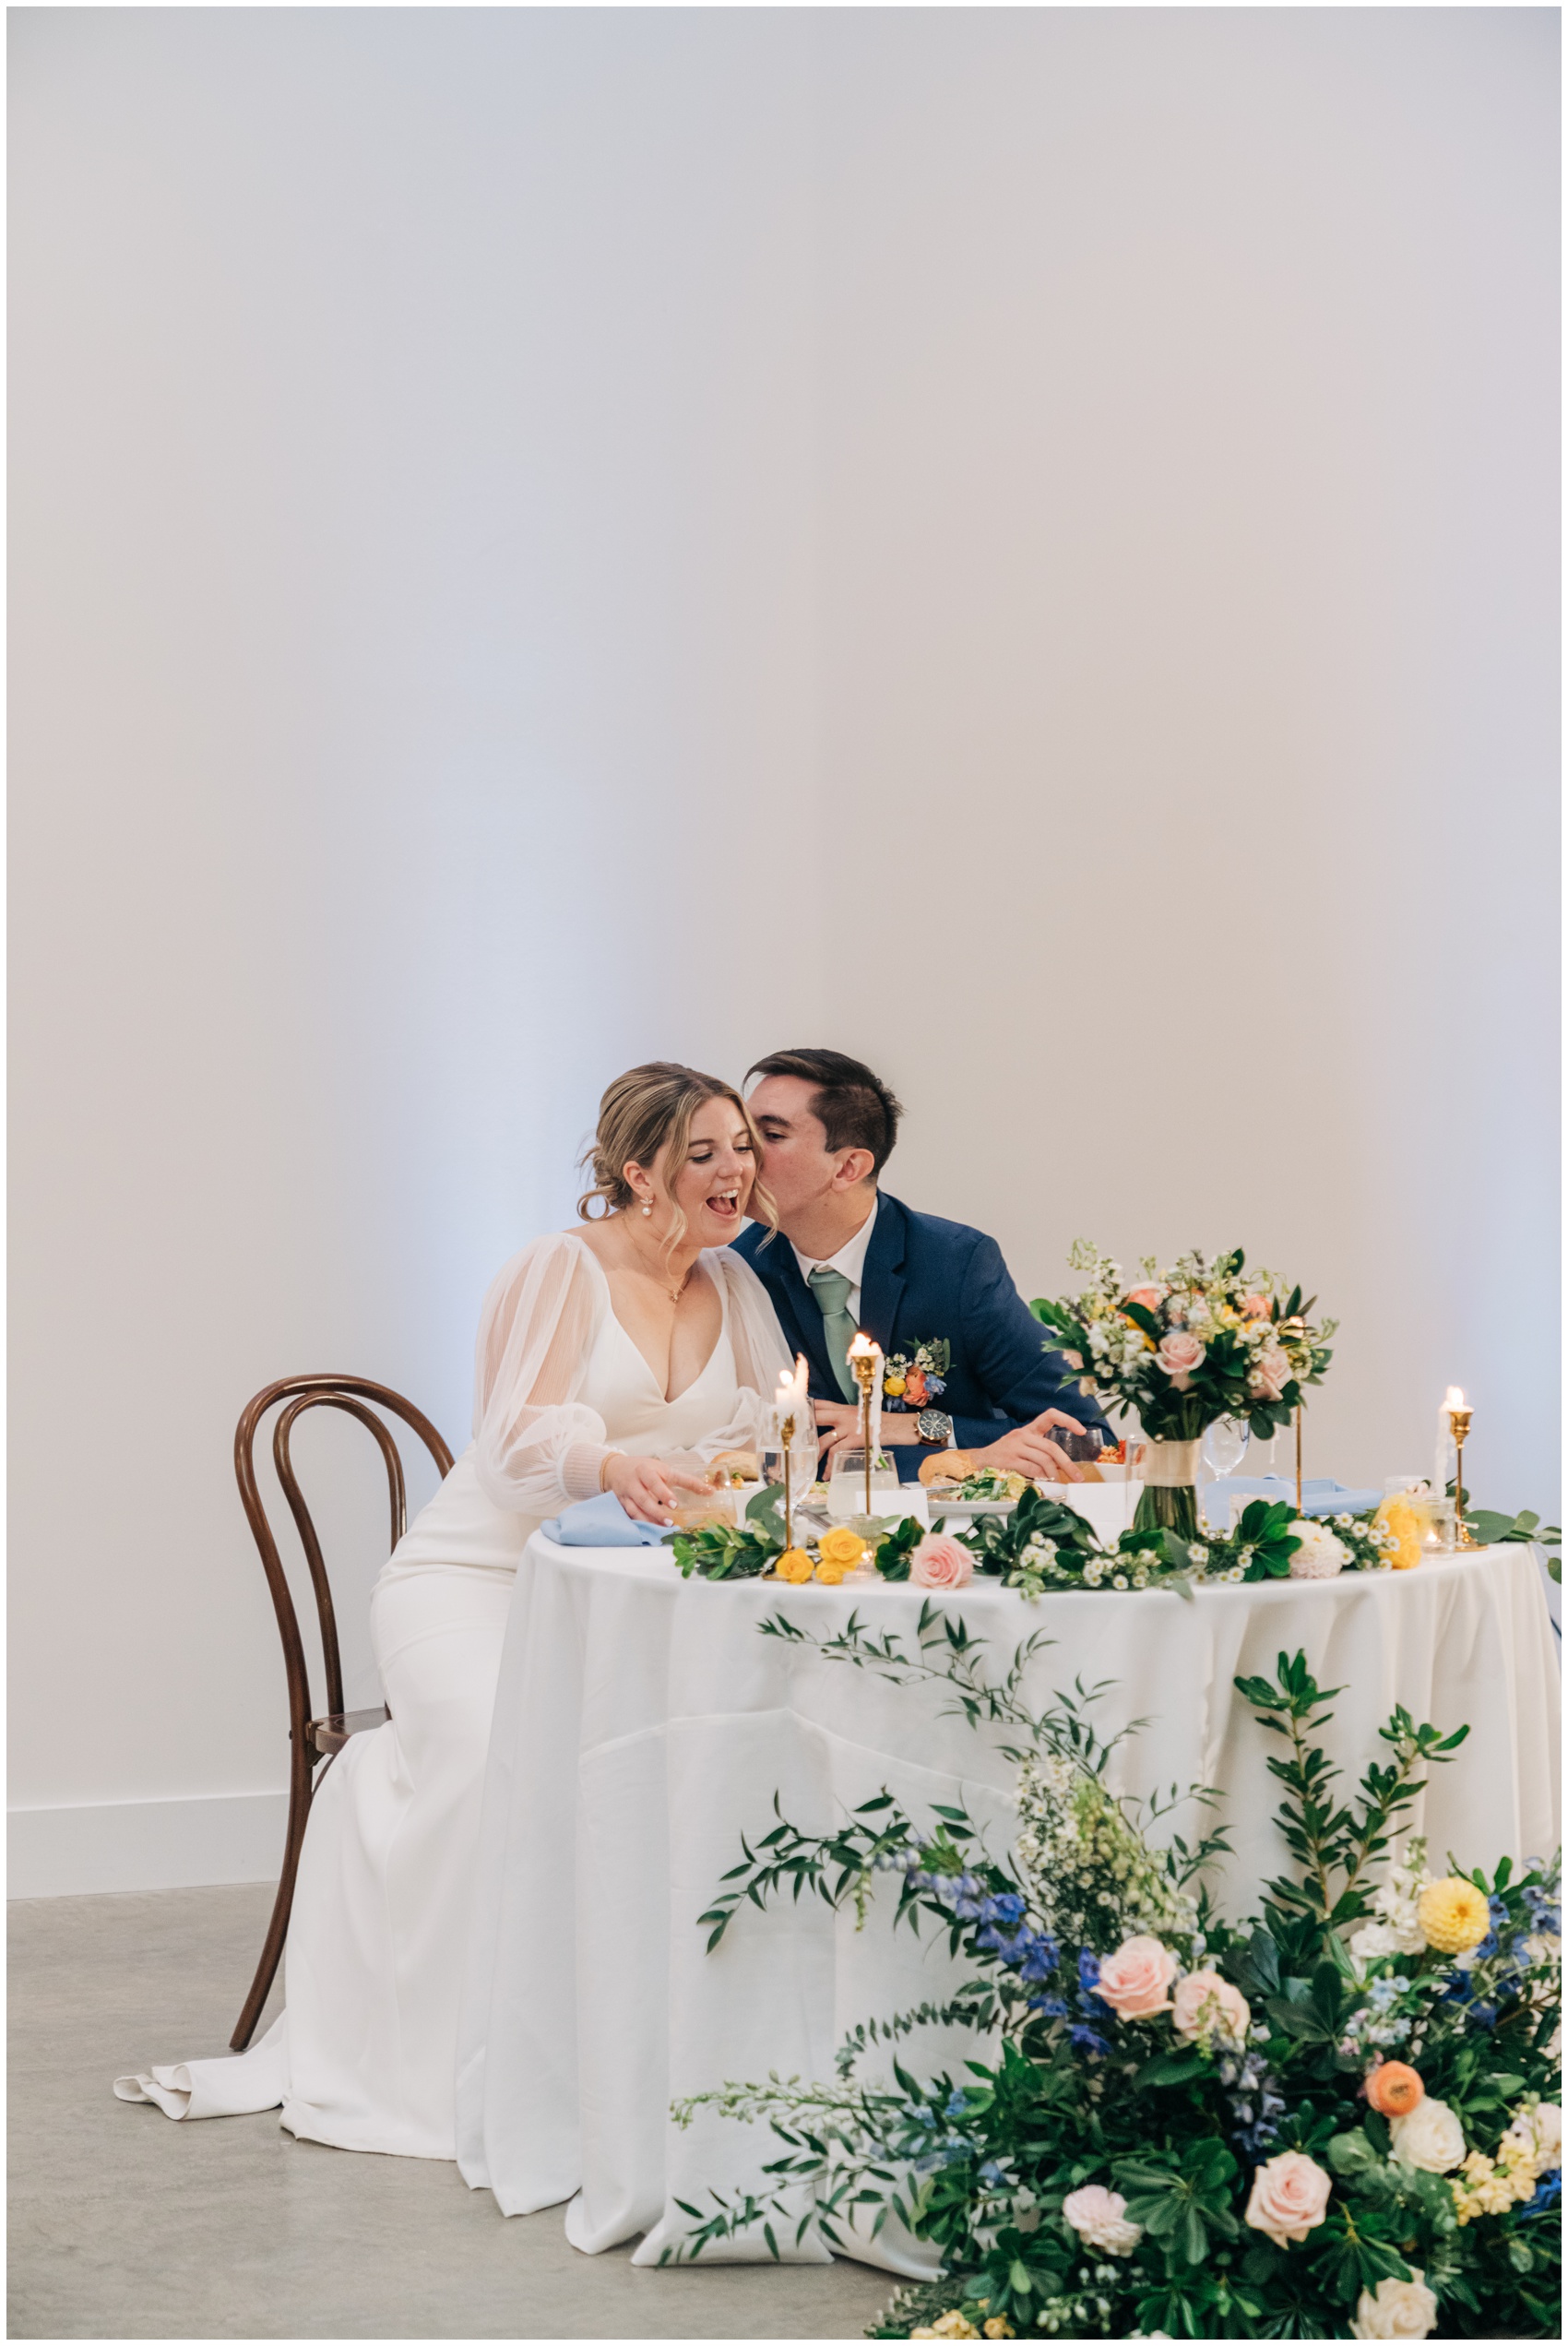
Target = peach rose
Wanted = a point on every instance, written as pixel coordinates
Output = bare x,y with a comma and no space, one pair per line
1393,2088
1179,1353
1149,1297
1289,2197
1206,2005
1271,1372
1100,2217
1135,1981
1255,1307
914,1389
940,1562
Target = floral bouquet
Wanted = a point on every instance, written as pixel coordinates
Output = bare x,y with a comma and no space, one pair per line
1191,1343
1339,2118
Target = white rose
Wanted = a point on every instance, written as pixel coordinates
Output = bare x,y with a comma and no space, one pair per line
1542,2130
1400,2309
1320,1555
1430,2138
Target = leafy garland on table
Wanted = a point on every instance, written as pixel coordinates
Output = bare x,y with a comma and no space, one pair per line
1044,1545
1335,2119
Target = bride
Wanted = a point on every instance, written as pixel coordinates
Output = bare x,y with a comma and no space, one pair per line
615,1357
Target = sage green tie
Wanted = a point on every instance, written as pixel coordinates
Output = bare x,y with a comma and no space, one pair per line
830,1288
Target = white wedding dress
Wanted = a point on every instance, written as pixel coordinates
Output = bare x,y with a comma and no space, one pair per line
364,2055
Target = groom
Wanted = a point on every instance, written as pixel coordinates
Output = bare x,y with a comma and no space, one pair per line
846,1255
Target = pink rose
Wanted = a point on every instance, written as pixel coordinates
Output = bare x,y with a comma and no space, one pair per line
1271,1372
940,1562
1289,2195
1255,1307
1149,1297
1100,2217
1179,1354
1135,1981
1206,2005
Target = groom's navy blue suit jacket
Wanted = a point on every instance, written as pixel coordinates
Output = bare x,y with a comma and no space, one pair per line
924,1280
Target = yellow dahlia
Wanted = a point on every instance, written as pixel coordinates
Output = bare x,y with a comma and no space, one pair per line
1452,1915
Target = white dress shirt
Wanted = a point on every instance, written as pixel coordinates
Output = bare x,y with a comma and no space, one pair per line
851,1259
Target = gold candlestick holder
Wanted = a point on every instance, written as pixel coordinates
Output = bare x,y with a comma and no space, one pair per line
786,1437
1459,1426
1298,1457
864,1367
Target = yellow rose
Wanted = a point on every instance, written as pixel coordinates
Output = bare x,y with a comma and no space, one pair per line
830,1574
1399,1517
893,1387
1452,1915
843,1547
795,1565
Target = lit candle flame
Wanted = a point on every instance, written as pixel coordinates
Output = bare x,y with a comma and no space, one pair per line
863,1346
1455,1398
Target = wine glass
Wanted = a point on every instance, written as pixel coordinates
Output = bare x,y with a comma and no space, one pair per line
1225,1445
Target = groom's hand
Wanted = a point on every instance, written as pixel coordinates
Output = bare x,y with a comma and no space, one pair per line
1029,1450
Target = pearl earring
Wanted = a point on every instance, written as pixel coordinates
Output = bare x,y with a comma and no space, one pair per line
647,1209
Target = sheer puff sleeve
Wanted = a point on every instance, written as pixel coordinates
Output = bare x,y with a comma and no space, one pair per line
538,1446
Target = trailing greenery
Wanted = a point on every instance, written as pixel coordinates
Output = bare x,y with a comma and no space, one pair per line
1340,2110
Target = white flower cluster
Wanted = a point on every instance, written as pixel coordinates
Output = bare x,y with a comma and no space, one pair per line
1088,1874
1395,1927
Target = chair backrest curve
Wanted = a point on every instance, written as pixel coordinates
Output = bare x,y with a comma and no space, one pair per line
351,1394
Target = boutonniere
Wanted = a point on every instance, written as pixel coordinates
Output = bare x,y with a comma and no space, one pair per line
910,1380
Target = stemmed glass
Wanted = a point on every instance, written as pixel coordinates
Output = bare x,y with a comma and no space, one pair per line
1225,1445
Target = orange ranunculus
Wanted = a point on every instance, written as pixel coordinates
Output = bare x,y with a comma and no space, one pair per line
1395,2089
914,1389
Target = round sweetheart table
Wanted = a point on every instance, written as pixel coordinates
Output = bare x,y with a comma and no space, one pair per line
643,1725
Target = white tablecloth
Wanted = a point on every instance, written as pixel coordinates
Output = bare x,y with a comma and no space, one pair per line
643,1725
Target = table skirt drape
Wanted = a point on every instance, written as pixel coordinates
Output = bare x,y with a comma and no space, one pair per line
644,1724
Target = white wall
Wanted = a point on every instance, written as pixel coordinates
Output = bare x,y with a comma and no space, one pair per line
537,532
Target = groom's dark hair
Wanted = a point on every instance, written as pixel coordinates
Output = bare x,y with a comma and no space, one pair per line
855,1108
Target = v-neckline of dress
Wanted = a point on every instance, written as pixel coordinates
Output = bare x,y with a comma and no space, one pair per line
648,1370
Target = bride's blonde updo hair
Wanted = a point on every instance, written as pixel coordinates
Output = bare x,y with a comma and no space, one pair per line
649,1109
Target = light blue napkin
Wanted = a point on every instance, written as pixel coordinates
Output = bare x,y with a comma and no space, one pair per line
1320,1498
601,1523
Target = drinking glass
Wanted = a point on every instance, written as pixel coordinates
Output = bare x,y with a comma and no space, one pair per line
1225,1445
1082,1447
847,1491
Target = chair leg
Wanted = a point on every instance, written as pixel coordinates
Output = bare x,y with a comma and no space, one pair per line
301,1789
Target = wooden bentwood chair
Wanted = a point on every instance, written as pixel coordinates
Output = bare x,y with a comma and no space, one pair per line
312,1740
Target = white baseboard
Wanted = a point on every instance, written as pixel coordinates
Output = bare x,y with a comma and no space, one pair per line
147,1844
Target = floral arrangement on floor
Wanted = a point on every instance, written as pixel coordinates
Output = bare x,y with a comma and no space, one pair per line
1339,2118
1193,1342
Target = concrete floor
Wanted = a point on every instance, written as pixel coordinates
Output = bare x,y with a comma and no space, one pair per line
123,2225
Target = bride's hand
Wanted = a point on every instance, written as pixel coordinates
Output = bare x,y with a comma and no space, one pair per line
647,1490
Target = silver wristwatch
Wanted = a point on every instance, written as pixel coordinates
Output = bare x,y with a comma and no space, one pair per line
935,1426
